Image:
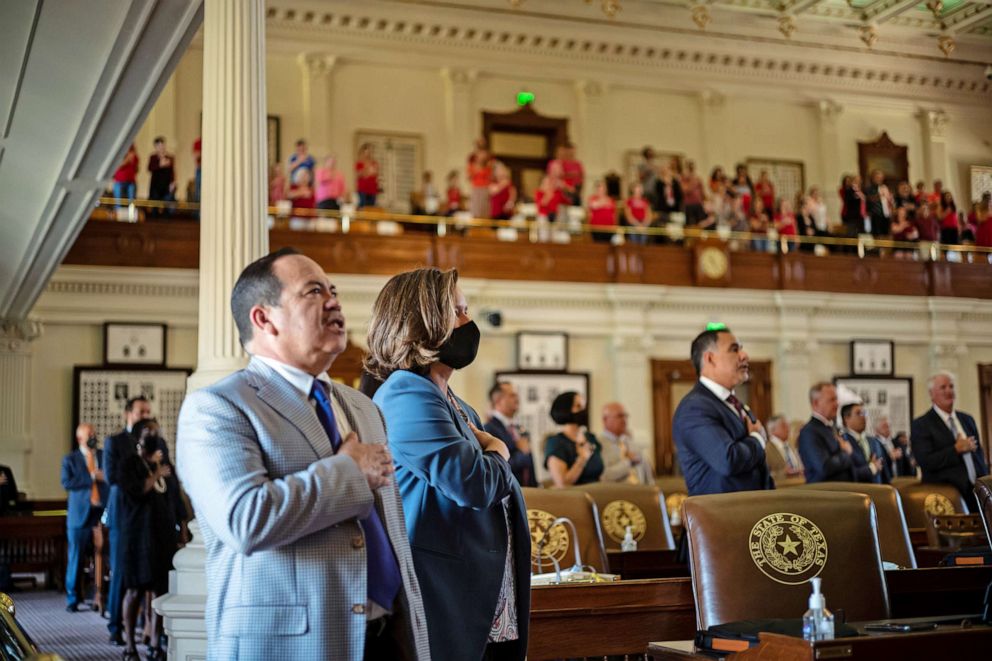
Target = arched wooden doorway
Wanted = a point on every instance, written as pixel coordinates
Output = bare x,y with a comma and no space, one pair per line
524,141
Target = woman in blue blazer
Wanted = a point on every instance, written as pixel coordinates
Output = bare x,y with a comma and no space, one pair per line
465,514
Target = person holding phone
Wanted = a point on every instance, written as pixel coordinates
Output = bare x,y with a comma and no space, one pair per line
721,446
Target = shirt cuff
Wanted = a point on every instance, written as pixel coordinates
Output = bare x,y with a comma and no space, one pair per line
761,439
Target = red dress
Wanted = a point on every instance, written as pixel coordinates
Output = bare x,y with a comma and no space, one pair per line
548,203
497,202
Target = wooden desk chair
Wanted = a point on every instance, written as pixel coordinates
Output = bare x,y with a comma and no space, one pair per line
922,499
640,506
954,531
893,533
983,493
675,492
543,507
752,555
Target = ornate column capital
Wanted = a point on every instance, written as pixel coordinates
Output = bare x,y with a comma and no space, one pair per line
17,334
935,122
316,65
459,78
829,110
590,89
712,99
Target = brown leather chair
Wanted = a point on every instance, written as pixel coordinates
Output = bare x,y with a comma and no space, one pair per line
893,533
640,506
545,505
922,499
955,531
752,555
675,492
983,493
900,482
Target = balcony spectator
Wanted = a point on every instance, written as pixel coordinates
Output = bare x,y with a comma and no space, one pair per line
453,195
937,194
819,210
732,213
667,193
197,158
430,199
879,204
981,218
301,191
366,176
718,181
572,174
904,198
765,189
647,173
161,166
693,194
920,194
947,211
502,193
926,222
637,213
277,184
742,186
602,212
806,223
548,198
785,219
331,186
905,230
126,175
300,160
480,175
853,205
758,223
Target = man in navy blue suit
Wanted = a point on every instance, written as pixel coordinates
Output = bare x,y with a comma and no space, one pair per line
720,449
946,442
505,402
866,457
83,479
826,455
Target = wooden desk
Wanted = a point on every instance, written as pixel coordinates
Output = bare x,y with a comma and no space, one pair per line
34,543
608,618
945,642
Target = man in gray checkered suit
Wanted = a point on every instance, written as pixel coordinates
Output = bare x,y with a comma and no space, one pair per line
291,480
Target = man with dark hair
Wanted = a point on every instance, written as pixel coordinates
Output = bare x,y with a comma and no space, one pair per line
866,458
826,456
720,447
116,449
289,473
504,403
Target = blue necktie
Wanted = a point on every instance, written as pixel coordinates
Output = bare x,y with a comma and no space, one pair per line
383,571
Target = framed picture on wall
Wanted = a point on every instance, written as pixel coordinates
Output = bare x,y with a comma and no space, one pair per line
873,357
536,391
981,181
891,397
99,394
542,351
126,343
788,177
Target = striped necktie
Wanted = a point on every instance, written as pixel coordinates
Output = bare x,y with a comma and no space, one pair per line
969,461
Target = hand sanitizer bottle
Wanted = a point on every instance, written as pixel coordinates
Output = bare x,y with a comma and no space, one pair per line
818,622
628,543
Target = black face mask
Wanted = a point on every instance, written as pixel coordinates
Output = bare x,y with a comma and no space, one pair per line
149,444
462,347
91,442
580,418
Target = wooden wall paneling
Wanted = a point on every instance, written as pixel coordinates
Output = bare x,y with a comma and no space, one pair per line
849,274
155,243
967,280
359,253
755,270
522,260
667,265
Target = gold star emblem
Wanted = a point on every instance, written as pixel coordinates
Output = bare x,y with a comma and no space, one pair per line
788,546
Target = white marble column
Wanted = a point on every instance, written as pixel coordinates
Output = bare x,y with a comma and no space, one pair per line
590,137
233,228
15,404
233,233
933,125
830,167
317,71
793,377
713,133
460,121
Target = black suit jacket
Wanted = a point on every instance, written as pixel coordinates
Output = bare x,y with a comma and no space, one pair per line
933,446
823,459
521,464
8,491
716,453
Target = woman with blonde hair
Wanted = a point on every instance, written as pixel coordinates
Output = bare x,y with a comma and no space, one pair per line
464,510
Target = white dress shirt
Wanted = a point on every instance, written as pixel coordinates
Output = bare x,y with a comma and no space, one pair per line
722,394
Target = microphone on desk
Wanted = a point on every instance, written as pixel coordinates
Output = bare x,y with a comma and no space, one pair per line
577,567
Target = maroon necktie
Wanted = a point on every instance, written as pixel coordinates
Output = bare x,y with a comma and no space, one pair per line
738,406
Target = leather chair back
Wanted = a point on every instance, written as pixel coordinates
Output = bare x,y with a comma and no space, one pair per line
900,482
675,492
923,499
752,555
893,533
983,493
640,506
545,505
955,531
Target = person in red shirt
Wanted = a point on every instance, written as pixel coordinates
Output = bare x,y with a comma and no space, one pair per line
548,198
480,175
637,213
785,219
602,212
765,189
904,230
197,152
453,194
981,218
366,176
569,169
502,193
926,223
125,177
758,223
301,190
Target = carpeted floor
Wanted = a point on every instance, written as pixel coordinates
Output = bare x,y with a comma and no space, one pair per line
81,635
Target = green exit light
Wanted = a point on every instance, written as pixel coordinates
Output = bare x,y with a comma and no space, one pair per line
523,98
716,326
